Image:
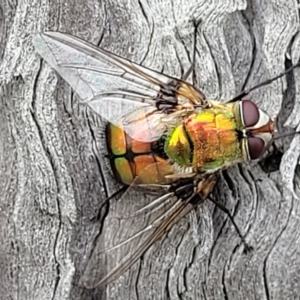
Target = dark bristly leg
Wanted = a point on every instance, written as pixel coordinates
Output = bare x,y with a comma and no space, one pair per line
247,91
227,212
192,66
183,188
167,98
113,195
189,71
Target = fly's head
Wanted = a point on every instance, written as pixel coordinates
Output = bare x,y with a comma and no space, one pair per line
257,129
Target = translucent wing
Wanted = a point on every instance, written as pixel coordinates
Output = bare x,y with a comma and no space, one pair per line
111,85
92,71
114,255
143,124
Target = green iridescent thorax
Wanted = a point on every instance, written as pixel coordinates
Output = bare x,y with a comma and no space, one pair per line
208,140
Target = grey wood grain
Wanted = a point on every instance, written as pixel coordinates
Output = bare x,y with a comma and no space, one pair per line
54,177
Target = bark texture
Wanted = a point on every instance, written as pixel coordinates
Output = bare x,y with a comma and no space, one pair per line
53,176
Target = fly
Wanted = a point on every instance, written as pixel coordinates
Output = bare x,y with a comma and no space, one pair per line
168,135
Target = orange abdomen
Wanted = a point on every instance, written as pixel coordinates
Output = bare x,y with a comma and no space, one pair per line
133,160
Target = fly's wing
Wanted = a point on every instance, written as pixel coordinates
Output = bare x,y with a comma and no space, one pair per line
106,81
113,256
143,123
146,124
92,71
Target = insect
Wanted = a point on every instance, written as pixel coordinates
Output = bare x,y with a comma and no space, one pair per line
168,135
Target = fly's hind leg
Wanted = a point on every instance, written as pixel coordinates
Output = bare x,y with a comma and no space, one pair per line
248,248
185,190
120,191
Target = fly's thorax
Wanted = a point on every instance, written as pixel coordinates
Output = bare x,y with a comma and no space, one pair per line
206,140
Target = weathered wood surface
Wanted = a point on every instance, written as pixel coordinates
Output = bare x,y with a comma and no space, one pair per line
53,176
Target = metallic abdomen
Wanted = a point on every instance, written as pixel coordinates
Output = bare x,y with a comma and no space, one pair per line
132,160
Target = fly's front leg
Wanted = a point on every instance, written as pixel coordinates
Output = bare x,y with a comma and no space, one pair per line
205,188
266,82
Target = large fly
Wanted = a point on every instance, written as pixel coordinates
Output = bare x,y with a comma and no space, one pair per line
168,135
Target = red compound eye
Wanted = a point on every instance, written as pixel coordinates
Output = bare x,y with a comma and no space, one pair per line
256,146
250,113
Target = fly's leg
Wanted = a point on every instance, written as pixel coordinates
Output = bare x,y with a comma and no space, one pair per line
167,97
122,190
192,66
183,188
203,103
266,82
248,248
193,188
